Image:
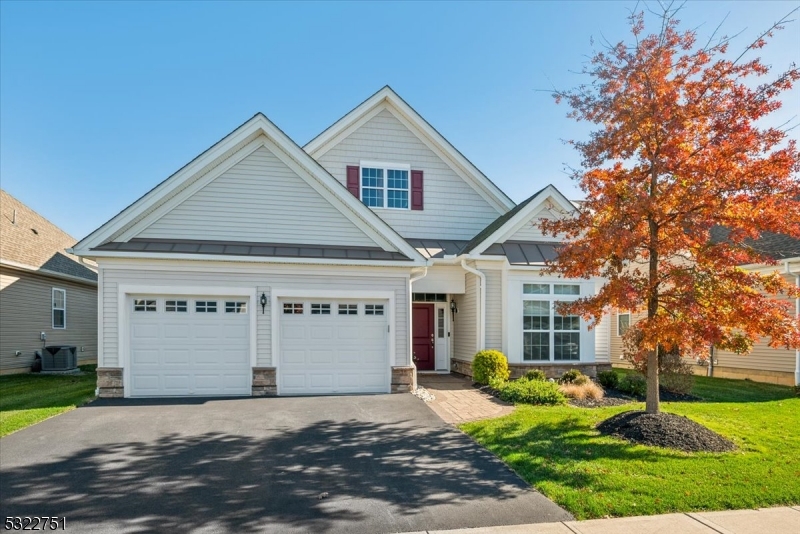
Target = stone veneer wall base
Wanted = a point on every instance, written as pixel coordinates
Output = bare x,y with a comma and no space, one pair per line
264,384
518,370
109,383
404,379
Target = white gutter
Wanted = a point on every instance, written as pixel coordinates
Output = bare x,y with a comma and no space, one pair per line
482,316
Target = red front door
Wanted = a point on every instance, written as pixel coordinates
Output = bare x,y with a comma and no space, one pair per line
423,343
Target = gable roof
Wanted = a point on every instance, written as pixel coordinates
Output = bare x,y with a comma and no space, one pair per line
31,242
503,226
775,246
242,141
386,96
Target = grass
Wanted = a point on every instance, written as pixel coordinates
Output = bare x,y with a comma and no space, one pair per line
30,398
558,451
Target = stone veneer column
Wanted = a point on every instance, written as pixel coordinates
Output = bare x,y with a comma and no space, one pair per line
109,382
264,384
404,379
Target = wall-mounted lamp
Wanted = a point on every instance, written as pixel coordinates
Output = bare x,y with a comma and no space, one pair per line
453,308
263,302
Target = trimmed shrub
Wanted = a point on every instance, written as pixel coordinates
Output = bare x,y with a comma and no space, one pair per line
633,384
608,379
536,374
489,364
573,376
532,392
587,390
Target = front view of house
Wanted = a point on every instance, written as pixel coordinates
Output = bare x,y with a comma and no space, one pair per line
346,266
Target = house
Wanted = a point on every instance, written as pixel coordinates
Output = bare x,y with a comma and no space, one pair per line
47,296
763,363
374,252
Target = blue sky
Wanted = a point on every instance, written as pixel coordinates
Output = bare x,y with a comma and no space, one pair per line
99,102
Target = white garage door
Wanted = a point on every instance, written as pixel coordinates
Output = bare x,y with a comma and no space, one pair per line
333,346
183,346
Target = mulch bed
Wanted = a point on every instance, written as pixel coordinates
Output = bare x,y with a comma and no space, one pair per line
664,430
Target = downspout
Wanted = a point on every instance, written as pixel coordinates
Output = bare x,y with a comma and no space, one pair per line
482,317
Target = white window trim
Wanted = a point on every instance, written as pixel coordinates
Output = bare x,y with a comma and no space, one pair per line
552,298
53,308
385,167
620,334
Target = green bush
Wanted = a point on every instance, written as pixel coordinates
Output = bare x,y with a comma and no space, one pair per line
573,376
633,384
608,379
489,364
536,374
532,392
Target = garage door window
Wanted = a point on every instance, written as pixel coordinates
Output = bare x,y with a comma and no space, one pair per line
320,309
373,309
180,306
235,307
205,306
141,305
348,309
293,308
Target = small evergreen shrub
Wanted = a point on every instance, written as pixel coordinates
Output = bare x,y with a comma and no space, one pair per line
633,384
536,374
532,392
587,390
573,376
489,364
608,379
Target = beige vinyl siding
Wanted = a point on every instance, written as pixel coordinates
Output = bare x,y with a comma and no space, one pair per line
452,208
616,339
25,312
531,232
259,199
261,279
494,309
465,328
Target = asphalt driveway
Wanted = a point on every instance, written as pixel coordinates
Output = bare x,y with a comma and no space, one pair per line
370,464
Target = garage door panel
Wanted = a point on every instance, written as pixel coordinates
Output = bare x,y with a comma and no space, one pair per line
321,356
188,353
321,332
293,357
350,333
290,332
292,381
321,380
344,357
374,380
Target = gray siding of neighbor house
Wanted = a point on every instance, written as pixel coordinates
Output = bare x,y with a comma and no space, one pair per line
25,312
452,208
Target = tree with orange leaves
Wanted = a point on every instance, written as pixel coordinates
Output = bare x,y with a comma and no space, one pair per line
677,153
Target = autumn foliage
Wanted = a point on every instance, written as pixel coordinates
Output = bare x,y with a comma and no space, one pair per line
679,149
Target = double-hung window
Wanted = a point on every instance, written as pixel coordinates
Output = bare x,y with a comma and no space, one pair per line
59,307
385,185
547,335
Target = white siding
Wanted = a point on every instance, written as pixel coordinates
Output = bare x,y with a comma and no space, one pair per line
452,208
465,328
494,309
262,279
531,232
259,199
602,340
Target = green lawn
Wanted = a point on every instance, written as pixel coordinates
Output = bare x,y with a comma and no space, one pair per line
30,398
558,451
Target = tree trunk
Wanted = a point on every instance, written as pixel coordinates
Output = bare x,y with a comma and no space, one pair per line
652,403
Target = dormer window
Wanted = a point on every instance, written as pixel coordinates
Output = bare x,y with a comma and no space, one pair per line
385,185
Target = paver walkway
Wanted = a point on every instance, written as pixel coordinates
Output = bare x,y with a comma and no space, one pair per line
458,402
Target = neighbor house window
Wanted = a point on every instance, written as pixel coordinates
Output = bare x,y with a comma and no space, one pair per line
384,186
235,307
293,308
623,323
348,309
144,305
547,335
205,306
59,307
176,306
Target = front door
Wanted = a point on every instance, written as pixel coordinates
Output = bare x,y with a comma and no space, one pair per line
423,341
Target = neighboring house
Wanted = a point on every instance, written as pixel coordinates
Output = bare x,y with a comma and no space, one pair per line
43,290
346,266
763,364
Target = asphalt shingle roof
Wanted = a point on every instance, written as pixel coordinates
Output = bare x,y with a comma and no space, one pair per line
775,246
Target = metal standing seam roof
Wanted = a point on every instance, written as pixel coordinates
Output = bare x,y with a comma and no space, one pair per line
437,248
524,252
241,248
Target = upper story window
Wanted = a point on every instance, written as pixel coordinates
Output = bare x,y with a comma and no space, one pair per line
385,185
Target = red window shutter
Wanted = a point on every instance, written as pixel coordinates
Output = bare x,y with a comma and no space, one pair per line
352,180
416,190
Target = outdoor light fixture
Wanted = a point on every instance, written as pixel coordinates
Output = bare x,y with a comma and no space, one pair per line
453,308
263,302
